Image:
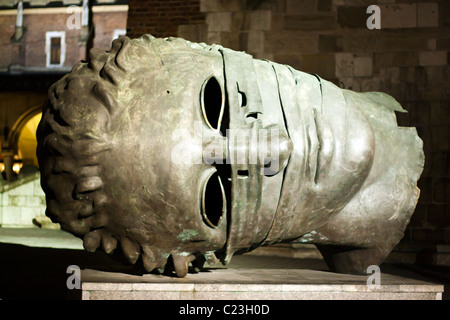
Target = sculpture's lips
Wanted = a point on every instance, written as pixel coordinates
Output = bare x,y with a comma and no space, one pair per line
314,150
312,143
320,144
320,147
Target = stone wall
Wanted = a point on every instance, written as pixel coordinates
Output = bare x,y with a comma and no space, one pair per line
21,202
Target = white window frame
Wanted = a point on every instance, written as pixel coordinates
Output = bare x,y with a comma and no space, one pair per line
48,36
119,32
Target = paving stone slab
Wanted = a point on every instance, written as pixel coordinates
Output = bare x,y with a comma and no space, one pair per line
253,284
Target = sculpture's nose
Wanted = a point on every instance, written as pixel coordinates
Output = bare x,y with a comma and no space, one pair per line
268,147
277,147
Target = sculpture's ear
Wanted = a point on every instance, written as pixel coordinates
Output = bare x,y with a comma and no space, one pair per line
129,55
110,63
97,59
101,92
120,47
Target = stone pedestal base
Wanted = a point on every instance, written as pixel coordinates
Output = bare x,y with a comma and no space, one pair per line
254,284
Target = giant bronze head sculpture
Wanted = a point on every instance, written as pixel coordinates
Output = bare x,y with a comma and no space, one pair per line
183,152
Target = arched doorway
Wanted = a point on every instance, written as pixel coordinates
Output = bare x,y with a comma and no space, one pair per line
23,202
27,143
19,149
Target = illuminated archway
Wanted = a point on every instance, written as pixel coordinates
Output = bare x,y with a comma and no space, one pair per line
27,143
20,146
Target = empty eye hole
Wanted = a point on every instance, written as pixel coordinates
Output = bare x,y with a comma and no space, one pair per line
242,99
212,102
251,117
213,201
242,173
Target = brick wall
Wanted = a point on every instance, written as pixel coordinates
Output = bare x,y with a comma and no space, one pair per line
105,24
407,58
7,24
36,25
33,43
161,18
34,38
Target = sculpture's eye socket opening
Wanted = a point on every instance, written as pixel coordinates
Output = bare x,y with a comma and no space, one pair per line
212,101
214,202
